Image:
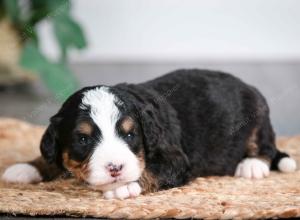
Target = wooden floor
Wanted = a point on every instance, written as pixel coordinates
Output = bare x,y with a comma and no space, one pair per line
278,81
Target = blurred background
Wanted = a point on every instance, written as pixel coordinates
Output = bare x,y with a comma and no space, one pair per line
50,48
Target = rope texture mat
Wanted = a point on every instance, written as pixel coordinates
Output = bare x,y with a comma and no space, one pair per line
277,196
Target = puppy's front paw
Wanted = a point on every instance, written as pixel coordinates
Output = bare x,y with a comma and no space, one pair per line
252,168
132,189
21,173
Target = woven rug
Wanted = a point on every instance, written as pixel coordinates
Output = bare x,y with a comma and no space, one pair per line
208,198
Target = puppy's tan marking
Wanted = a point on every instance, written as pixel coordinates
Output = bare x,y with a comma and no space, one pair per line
85,128
147,180
48,171
78,169
252,147
141,158
127,124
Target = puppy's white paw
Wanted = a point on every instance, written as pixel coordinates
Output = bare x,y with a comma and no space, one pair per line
109,194
287,165
122,192
252,168
21,173
132,189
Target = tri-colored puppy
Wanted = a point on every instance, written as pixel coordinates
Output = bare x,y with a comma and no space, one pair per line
127,139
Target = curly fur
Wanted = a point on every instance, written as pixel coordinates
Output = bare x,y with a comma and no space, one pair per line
187,123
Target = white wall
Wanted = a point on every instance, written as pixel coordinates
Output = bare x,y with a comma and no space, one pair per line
198,34
162,30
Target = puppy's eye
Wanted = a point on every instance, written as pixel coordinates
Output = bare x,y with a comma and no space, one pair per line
83,140
129,136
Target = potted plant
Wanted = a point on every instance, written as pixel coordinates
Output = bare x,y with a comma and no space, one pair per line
20,54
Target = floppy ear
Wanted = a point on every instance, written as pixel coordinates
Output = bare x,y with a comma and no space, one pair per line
162,138
49,146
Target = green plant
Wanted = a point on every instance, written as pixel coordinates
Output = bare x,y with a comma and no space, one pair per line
55,74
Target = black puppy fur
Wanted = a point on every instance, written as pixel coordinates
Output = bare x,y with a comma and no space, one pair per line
190,123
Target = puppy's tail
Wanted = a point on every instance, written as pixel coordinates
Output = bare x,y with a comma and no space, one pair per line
283,162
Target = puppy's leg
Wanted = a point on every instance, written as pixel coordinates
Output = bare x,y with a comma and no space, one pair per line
262,155
22,173
31,172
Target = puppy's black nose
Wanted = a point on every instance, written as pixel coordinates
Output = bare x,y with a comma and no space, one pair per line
115,170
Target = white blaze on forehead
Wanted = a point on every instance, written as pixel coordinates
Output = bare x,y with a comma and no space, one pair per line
111,149
104,111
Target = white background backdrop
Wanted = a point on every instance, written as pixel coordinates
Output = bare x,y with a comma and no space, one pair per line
137,40
177,30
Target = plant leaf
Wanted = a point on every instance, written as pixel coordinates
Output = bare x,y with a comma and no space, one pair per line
2,9
68,33
60,80
48,8
56,76
31,58
12,9
59,7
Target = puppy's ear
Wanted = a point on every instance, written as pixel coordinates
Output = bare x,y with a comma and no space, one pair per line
49,145
162,138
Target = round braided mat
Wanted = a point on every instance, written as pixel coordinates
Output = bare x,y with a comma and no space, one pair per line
207,198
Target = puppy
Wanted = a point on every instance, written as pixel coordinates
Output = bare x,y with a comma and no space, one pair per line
128,139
